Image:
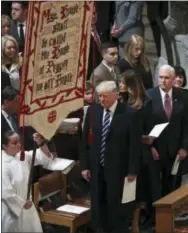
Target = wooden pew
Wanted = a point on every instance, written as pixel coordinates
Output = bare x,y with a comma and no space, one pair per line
169,207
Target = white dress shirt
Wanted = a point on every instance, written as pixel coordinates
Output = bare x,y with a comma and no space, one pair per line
24,27
6,118
163,96
108,67
111,111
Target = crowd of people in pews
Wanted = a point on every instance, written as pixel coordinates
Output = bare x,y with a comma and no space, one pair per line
111,142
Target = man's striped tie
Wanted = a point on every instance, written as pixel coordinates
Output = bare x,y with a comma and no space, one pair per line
105,128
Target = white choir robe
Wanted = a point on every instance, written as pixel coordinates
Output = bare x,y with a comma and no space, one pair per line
15,174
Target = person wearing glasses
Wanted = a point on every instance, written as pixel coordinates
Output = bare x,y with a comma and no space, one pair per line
106,71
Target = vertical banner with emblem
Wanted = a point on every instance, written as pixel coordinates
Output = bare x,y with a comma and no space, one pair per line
55,63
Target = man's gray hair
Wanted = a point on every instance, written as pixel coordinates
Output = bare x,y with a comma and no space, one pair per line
106,86
168,68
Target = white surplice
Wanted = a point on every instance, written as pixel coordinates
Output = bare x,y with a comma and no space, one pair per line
15,175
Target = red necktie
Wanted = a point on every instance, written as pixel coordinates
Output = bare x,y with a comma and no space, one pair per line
167,106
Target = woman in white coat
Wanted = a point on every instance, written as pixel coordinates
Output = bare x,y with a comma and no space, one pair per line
19,214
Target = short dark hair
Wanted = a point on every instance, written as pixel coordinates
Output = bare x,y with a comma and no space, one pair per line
88,86
179,71
24,4
108,44
5,136
8,93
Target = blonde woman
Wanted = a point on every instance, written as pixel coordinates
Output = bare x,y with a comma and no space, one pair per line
11,60
5,25
135,59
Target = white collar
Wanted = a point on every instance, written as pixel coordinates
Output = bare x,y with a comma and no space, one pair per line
108,67
113,107
164,93
6,157
5,114
23,23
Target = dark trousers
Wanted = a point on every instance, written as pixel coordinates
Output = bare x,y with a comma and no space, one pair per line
112,221
161,180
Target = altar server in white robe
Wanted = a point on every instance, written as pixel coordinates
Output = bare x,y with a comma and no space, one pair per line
19,214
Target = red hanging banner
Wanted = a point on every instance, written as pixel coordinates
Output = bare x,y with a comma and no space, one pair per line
55,63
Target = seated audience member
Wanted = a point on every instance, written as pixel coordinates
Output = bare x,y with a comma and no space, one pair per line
5,80
135,59
5,25
180,79
168,105
11,61
106,70
18,212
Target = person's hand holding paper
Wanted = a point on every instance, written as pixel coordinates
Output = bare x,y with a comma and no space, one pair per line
158,129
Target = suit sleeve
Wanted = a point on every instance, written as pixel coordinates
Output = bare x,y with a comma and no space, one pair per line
184,143
84,145
135,12
135,144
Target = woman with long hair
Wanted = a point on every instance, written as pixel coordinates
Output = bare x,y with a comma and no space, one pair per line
135,59
133,93
11,60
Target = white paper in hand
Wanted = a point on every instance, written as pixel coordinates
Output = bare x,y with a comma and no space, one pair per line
129,191
64,165
158,129
175,166
68,125
72,209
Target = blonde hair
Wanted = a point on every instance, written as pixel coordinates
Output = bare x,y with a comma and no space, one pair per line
136,40
5,19
4,60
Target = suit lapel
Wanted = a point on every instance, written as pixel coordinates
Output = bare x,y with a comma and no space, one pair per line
115,119
158,104
176,103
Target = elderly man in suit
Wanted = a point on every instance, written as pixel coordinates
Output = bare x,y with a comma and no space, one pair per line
168,104
107,70
18,23
127,21
110,157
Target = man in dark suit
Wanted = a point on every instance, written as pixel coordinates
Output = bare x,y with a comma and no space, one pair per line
167,105
9,105
106,70
111,156
18,23
9,115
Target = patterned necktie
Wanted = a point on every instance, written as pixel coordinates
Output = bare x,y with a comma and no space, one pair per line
167,106
105,128
13,124
113,73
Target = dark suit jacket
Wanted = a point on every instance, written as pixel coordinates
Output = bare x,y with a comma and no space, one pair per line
175,134
14,33
121,156
5,80
105,12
